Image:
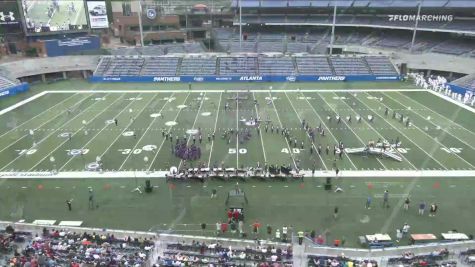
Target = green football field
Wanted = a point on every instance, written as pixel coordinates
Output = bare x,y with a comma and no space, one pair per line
51,132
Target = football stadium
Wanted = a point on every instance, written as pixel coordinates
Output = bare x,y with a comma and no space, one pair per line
237,133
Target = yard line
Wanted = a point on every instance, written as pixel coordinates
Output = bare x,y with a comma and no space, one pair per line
169,128
300,119
388,122
144,133
437,141
127,126
324,125
430,122
351,129
214,131
36,116
46,137
282,126
103,128
237,130
262,140
193,126
438,114
80,129
18,139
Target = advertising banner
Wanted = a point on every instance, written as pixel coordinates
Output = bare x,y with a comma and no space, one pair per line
97,14
10,20
256,78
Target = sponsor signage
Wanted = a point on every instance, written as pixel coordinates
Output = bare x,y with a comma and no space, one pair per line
257,78
97,14
250,78
4,93
166,79
331,78
10,20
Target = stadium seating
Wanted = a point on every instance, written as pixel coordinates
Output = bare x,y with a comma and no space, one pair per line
120,66
62,248
198,66
349,66
313,66
160,66
467,81
237,66
323,261
5,83
201,254
454,47
110,66
276,66
380,65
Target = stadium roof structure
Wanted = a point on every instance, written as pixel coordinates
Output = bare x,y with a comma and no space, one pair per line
352,3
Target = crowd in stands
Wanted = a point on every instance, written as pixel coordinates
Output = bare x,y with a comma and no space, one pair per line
215,254
62,248
435,258
341,261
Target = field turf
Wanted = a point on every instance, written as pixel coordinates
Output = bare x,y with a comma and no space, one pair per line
439,139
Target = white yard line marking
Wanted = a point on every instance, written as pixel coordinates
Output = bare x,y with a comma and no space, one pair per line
357,136
52,133
282,126
434,148
103,128
144,133
300,119
324,125
214,131
32,118
193,126
237,130
465,143
395,128
450,100
444,118
49,120
128,125
80,129
23,102
169,128
260,134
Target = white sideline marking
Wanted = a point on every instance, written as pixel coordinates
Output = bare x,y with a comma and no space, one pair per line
80,129
240,91
23,102
46,122
306,173
452,101
430,137
16,128
417,113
